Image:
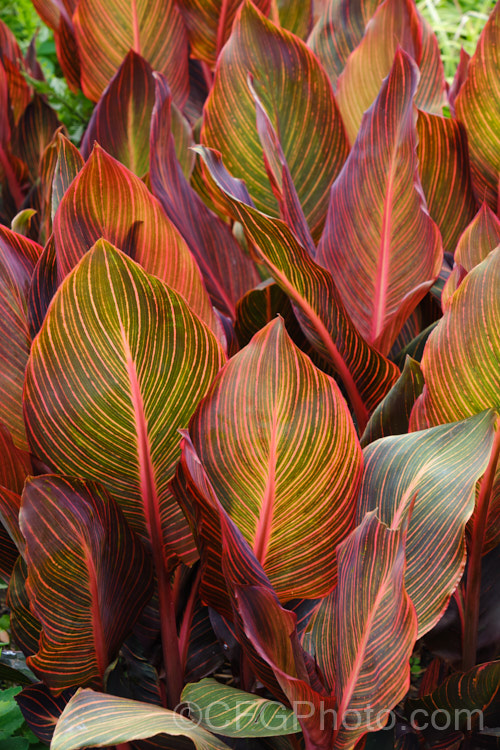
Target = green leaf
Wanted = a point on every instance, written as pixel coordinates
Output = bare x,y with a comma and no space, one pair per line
137,360
92,718
234,713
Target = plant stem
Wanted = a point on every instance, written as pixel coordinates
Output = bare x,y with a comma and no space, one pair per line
473,586
169,638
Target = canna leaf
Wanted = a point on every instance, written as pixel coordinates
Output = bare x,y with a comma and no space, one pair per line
209,23
395,24
477,106
15,465
460,361
444,169
366,375
338,32
18,256
285,463
88,211
396,256
120,122
312,139
471,697
228,273
43,286
392,415
137,361
41,709
296,17
92,718
370,607
33,134
86,613
234,713
106,31
436,471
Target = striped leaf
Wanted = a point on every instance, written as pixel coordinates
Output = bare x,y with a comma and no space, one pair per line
436,470
473,697
285,464
460,361
477,106
120,122
366,375
136,363
18,256
15,465
92,718
85,614
338,32
443,162
25,627
33,134
228,273
392,415
41,709
395,24
209,24
106,30
312,139
43,286
61,162
371,609
397,255
107,200
296,17
476,242
203,651
233,713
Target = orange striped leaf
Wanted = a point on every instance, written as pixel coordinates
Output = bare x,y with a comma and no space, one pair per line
477,106
312,139
107,200
136,361
228,273
85,614
107,29
285,463
366,374
436,470
18,256
397,255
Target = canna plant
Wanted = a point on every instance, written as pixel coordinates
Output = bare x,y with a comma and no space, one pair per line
250,382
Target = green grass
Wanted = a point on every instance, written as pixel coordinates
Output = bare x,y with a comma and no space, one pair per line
457,23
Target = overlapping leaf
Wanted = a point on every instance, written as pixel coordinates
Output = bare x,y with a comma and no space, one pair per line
76,527
18,256
371,608
209,23
366,375
396,256
136,361
60,163
33,133
15,465
227,271
120,122
107,200
392,415
234,713
477,105
284,462
396,23
107,30
312,139
436,470
92,718
460,363
444,169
